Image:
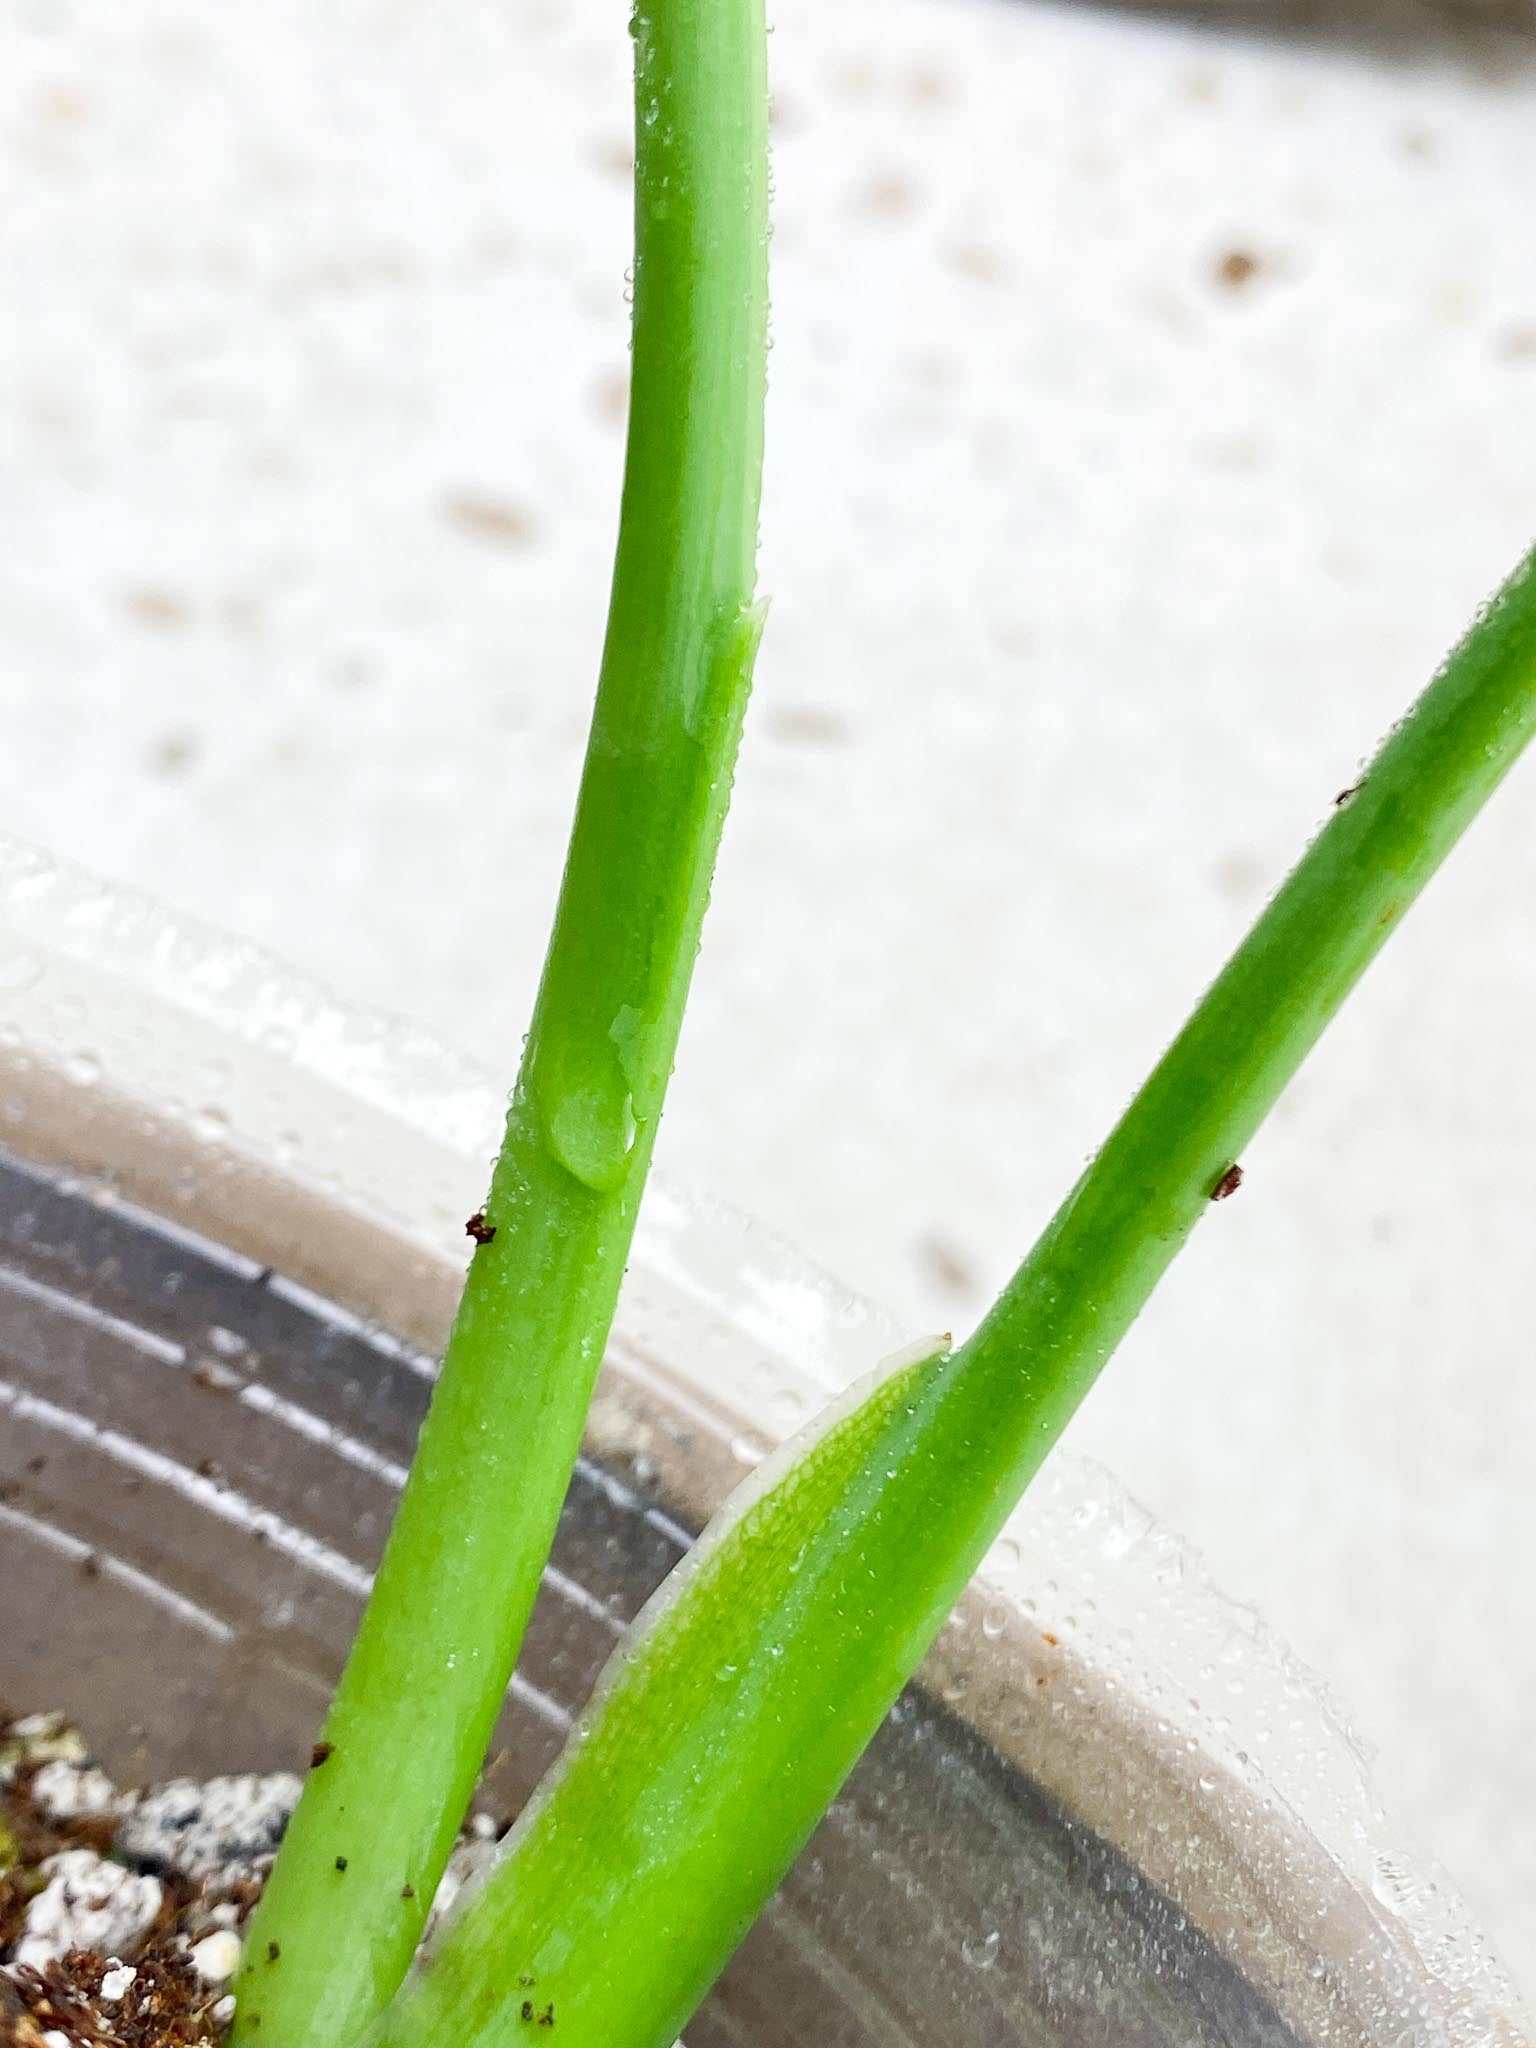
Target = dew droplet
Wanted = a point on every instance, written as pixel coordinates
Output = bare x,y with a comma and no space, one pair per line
592,1131
981,1952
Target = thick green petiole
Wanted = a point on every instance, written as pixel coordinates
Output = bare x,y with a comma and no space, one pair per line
730,1717
408,1731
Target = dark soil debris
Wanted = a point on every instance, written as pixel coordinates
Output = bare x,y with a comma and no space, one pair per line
172,1872
165,2005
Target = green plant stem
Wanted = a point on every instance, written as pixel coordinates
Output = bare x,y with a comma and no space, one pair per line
407,1733
731,1716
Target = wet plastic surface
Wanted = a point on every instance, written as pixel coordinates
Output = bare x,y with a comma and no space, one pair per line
197,1462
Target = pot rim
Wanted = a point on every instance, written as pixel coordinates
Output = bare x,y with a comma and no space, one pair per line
192,1073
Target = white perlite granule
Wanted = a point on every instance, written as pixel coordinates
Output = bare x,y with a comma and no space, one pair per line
217,1956
469,1861
225,1828
87,1903
38,1739
69,1791
116,1981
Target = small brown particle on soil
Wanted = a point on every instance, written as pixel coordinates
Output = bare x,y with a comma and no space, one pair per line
615,155
166,2007
90,1566
321,1753
173,753
1237,268
610,395
38,1463
805,725
157,609
949,1266
1229,1184
887,193
488,519
477,1228
209,1468
1516,343
975,260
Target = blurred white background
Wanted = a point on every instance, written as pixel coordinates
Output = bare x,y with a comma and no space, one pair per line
1152,402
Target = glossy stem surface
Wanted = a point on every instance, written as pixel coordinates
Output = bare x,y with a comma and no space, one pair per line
409,1727
732,1714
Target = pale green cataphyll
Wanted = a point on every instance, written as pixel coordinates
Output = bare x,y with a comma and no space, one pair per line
745,1693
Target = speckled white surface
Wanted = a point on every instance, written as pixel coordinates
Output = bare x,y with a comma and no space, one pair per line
1150,407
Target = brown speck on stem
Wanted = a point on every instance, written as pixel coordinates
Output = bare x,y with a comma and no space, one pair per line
1344,795
274,1950
547,2016
321,1753
341,1862
1389,913
1229,1184
525,2010
477,1228
407,1891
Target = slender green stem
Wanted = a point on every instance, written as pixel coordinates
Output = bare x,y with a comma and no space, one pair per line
409,1727
728,1720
